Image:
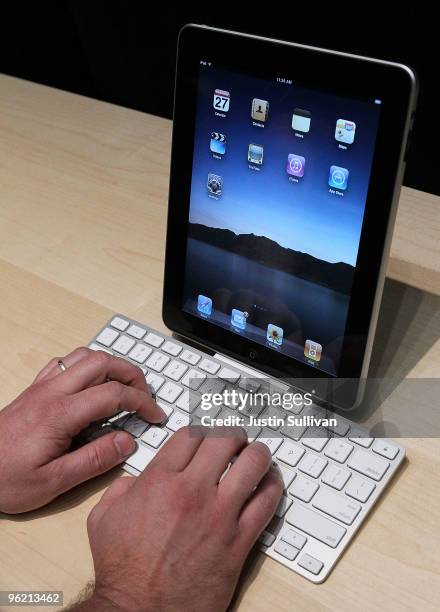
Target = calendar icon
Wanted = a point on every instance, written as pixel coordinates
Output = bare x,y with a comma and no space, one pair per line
221,100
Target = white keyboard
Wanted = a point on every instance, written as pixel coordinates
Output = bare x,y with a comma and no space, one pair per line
331,482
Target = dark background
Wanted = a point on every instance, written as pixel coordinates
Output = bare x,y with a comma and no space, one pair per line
124,51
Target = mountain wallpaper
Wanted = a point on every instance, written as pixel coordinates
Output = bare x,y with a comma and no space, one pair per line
336,276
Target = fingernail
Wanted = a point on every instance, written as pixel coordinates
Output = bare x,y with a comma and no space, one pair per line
162,413
164,416
124,443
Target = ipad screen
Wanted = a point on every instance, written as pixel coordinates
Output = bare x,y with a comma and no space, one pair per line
280,177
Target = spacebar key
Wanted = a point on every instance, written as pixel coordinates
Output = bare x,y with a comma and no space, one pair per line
316,525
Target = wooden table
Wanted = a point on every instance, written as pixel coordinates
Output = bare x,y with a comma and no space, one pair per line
83,188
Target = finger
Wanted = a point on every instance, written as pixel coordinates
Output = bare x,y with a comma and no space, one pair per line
260,508
52,368
115,490
105,400
218,447
98,367
176,454
244,475
91,460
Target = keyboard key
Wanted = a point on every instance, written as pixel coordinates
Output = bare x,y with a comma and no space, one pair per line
172,348
303,488
293,538
294,431
136,331
212,385
286,474
286,550
251,408
169,392
107,336
157,361
209,366
384,448
266,538
123,345
359,488
272,444
153,339
336,476
140,458
315,438
155,381
228,375
316,411
290,453
275,413
312,465
140,353
154,436
359,437
311,564
175,370
211,413
190,357
338,450
253,431
178,420
315,525
283,506
337,506
119,323
135,426
188,401
251,385
193,379
341,428
368,464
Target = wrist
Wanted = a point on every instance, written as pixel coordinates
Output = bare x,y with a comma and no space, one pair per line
106,599
98,601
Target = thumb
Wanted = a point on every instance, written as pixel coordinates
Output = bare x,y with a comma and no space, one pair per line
93,459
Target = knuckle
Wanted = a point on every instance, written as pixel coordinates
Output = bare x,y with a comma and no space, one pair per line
55,476
115,387
96,458
53,362
99,358
82,351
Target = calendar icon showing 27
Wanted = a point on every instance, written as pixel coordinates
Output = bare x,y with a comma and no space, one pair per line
221,100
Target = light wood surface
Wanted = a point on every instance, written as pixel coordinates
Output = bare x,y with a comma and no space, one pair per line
82,224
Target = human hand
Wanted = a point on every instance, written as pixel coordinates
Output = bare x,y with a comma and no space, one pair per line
37,428
176,537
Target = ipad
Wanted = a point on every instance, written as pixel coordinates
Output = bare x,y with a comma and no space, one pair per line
286,169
